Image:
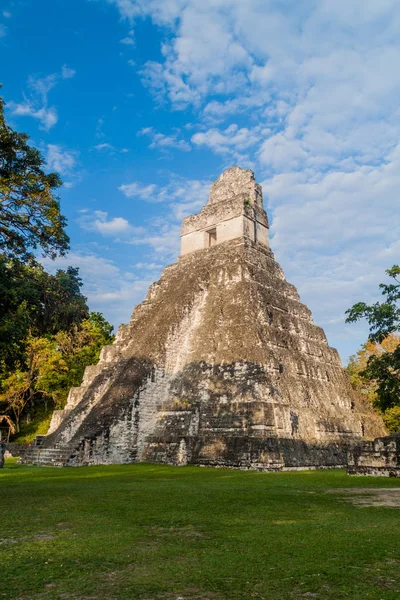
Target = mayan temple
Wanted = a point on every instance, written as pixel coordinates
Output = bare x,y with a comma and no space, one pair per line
220,365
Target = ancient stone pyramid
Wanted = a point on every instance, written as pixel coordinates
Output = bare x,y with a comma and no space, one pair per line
220,365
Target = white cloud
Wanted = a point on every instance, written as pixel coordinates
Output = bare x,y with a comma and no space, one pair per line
48,117
137,190
41,86
162,10
67,72
116,227
60,160
232,141
104,146
36,104
159,140
162,237
128,41
282,153
6,14
182,195
217,111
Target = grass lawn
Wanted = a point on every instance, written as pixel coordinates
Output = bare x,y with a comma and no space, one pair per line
168,533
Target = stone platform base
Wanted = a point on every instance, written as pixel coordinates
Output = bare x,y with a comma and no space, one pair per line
374,471
243,453
378,458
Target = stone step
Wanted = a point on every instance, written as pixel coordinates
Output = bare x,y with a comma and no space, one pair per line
46,456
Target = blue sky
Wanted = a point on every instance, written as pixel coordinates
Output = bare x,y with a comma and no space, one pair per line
140,104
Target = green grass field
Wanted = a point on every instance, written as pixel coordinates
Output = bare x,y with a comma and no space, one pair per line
167,533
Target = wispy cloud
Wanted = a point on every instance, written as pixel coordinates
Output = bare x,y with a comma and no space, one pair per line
233,141
104,147
128,41
107,148
116,227
63,162
137,190
182,195
67,72
35,104
164,142
161,234
47,116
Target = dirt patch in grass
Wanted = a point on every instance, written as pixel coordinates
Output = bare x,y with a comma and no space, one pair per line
370,497
43,537
190,594
39,537
8,541
173,531
283,522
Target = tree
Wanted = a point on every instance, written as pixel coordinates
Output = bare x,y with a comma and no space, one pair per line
30,214
53,365
365,386
35,303
11,429
383,366
44,366
383,317
81,347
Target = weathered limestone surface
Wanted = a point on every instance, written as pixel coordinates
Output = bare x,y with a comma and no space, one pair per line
380,457
220,365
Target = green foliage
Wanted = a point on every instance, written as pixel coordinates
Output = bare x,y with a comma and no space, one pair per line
391,418
35,303
382,368
357,369
79,348
37,424
53,365
30,216
383,317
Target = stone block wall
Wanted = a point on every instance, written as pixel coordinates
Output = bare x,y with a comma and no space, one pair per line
380,457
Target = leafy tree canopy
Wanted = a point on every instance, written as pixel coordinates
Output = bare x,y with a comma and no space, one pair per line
30,216
53,365
35,303
383,317
381,359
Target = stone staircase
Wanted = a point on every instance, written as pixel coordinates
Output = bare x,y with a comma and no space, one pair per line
37,455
